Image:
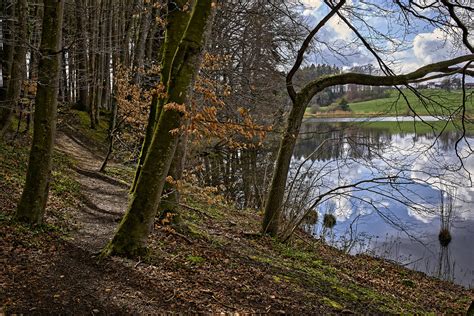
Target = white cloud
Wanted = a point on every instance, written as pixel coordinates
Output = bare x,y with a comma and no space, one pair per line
426,48
315,4
342,30
314,8
432,47
311,7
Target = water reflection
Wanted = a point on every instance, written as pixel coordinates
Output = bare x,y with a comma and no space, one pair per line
400,214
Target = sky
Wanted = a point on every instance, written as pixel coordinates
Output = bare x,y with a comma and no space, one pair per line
419,43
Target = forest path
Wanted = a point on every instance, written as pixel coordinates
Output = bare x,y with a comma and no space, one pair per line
103,199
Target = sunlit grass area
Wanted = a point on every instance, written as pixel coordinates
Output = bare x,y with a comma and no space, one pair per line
426,102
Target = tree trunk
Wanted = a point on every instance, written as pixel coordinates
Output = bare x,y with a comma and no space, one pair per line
65,81
99,73
125,52
8,11
131,236
106,63
17,74
139,55
170,199
151,38
276,193
35,193
82,82
94,25
34,46
175,27
113,124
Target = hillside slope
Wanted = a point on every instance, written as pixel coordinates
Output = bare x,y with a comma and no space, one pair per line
221,265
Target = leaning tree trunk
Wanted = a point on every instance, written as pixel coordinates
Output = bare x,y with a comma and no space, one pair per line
177,20
17,73
131,236
280,174
35,193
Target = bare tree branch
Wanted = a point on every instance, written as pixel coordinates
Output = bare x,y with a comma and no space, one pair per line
319,84
304,47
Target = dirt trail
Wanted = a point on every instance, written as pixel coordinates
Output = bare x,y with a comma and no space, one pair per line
103,199
41,276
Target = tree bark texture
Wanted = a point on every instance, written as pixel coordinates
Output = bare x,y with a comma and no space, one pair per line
35,193
8,11
177,21
82,60
139,55
18,67
276,193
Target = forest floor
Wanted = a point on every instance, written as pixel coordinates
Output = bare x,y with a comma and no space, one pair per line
221,265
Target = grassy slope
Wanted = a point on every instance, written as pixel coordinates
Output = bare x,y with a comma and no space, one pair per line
218,266
439,102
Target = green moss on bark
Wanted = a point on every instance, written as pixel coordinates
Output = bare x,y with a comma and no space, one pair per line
177,20
35,193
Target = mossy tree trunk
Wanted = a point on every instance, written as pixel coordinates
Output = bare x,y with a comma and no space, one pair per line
18,66
177,20
131,236
276,193
94,62
170,199
35,193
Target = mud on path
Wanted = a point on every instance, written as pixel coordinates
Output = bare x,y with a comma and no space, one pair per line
103,199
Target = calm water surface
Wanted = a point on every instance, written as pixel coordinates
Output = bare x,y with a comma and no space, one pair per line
399,216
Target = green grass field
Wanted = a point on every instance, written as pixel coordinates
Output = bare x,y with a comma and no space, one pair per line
433,102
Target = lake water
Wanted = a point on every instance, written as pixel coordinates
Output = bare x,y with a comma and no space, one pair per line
399,215
425,118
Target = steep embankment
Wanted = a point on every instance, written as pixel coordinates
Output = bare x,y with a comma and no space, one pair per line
220,266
